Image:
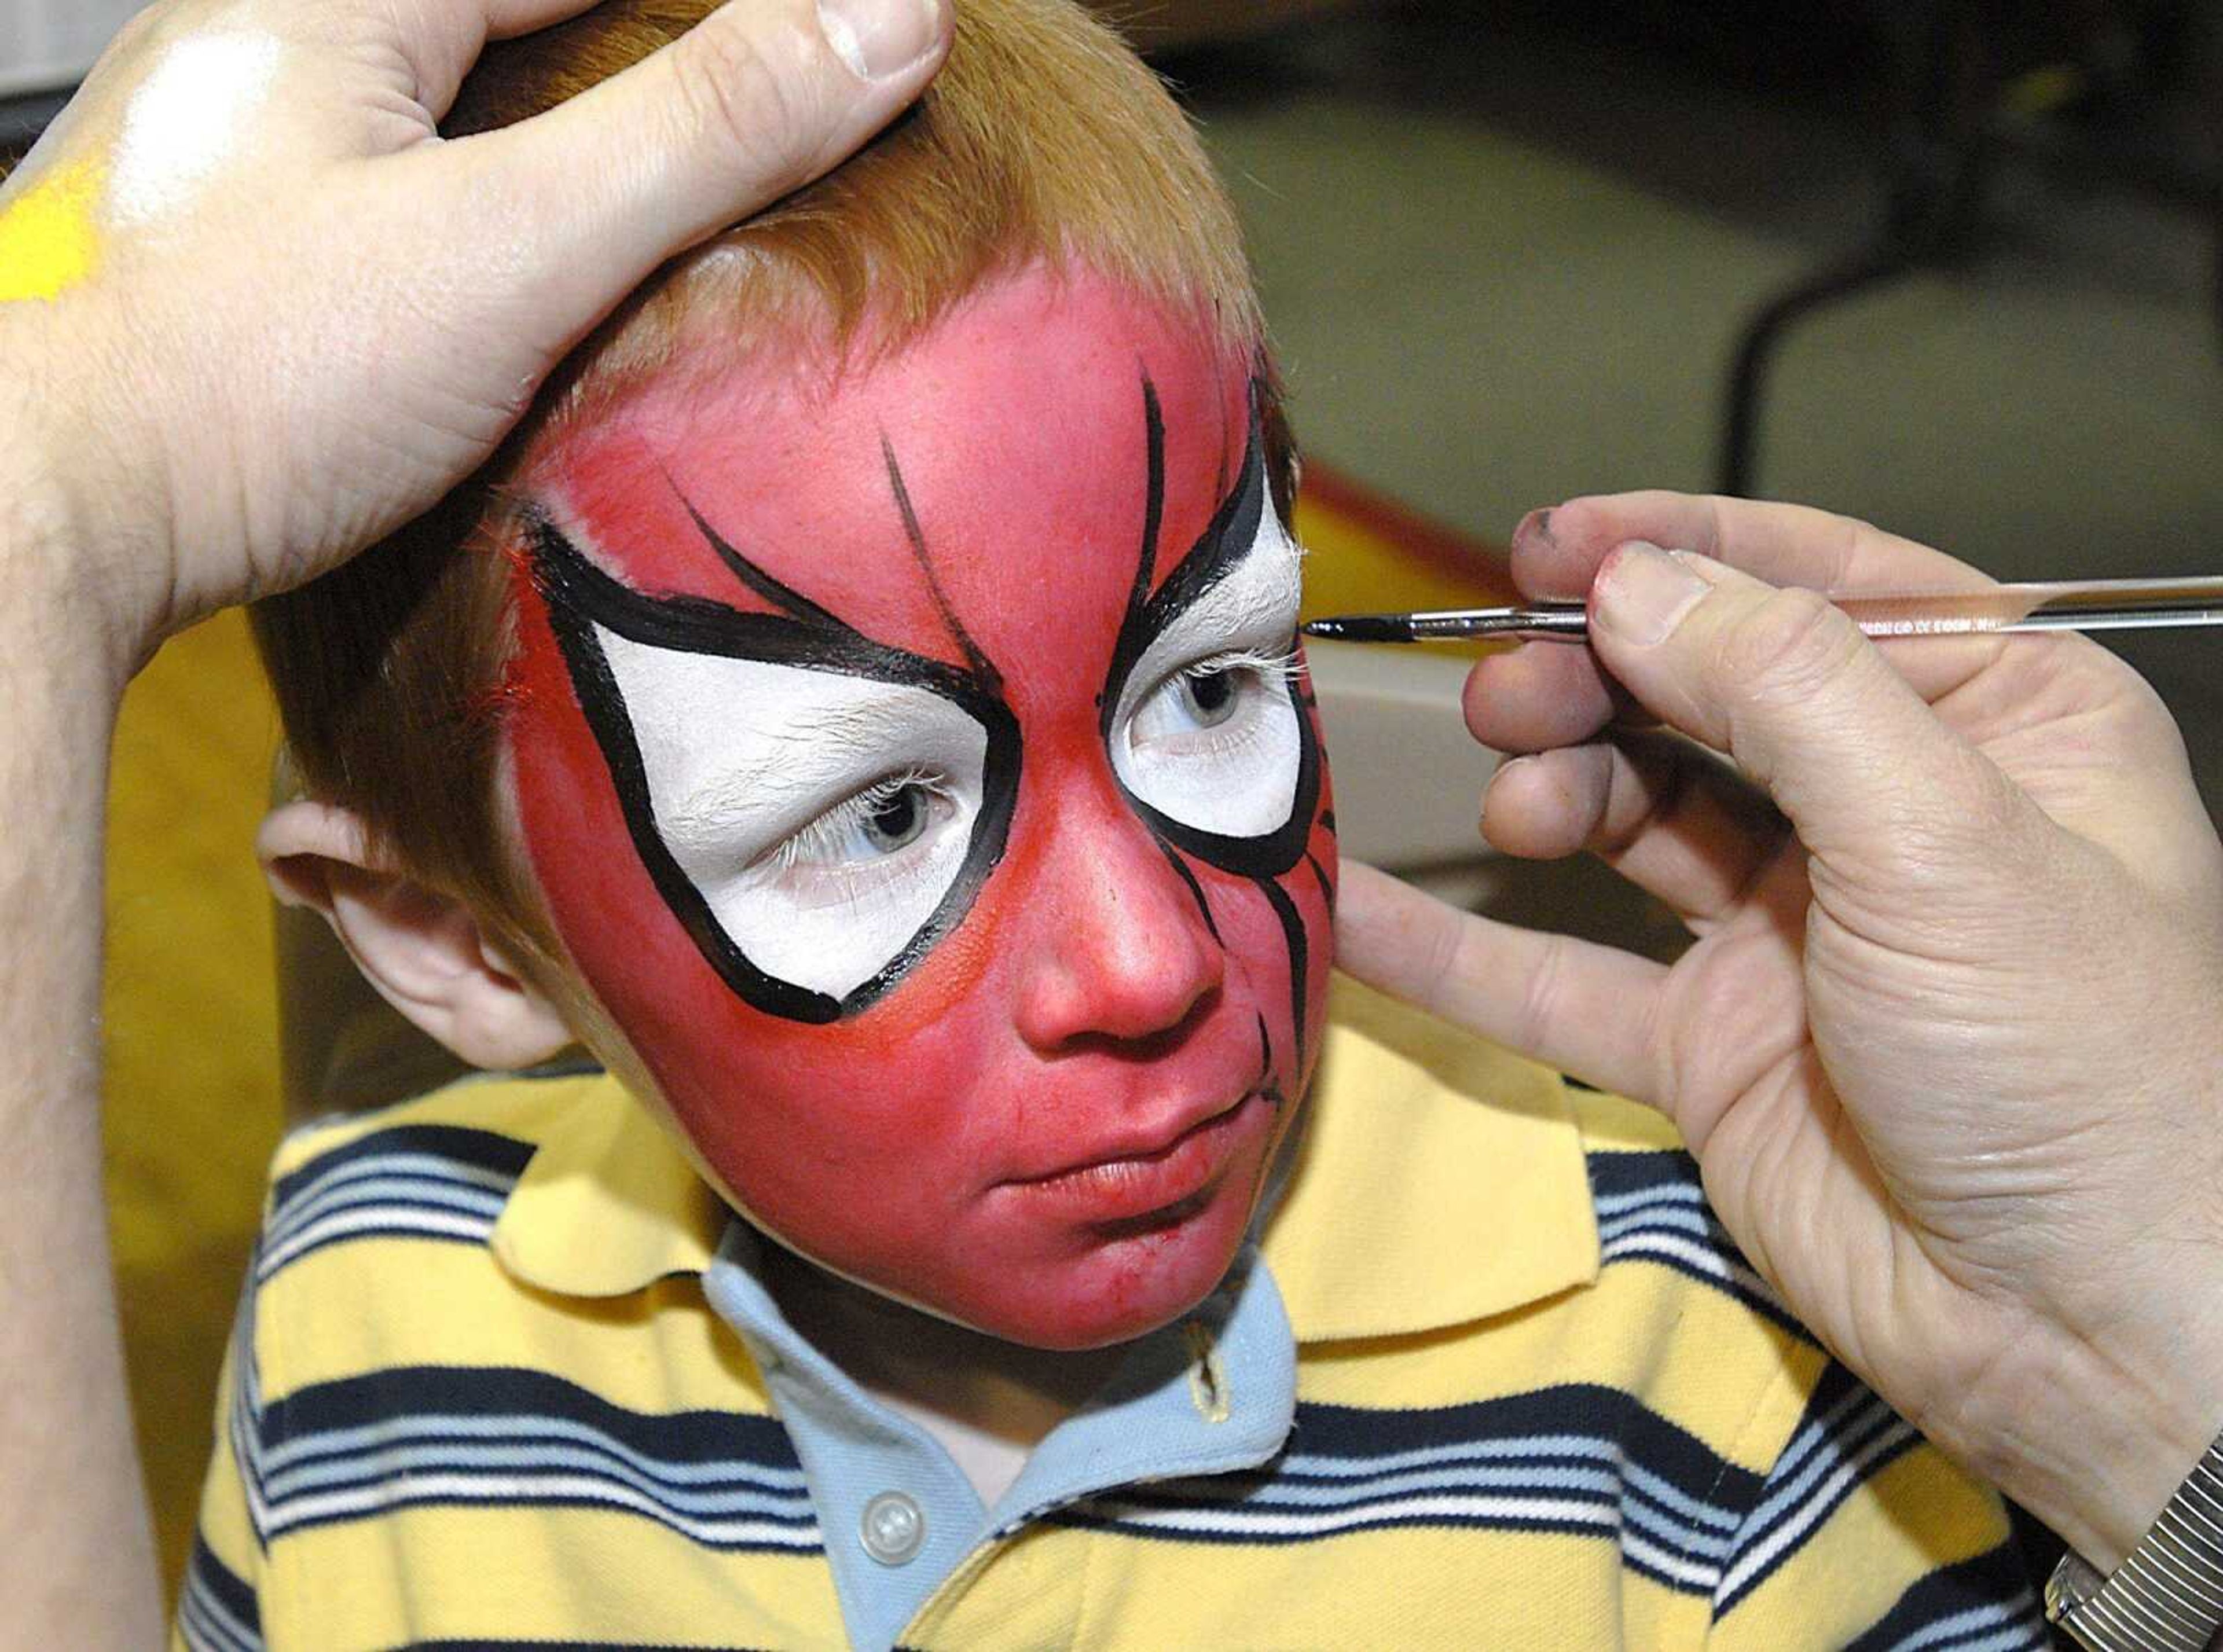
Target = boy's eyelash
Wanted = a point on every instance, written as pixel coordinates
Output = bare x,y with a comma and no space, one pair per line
823,836
1277,670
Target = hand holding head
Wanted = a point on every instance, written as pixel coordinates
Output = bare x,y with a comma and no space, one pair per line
269,314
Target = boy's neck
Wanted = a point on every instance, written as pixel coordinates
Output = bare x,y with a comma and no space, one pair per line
989,1403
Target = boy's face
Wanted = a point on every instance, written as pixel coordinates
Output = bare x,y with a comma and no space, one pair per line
913,770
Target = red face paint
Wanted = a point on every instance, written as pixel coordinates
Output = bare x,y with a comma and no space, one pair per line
1028,1074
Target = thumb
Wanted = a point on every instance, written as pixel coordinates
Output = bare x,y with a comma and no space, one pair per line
1783,682
757,99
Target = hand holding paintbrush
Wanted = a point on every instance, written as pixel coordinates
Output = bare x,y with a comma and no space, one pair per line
1944,1039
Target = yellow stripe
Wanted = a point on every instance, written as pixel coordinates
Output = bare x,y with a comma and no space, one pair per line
660,1350
564,1574
1455,1589
1918,1515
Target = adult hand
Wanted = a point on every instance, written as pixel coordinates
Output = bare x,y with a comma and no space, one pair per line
253,313
1946,1041
283,316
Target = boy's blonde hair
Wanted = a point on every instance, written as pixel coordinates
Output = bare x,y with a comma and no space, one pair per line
1044,140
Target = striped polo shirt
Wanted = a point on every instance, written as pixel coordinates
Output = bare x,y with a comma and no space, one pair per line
495,1383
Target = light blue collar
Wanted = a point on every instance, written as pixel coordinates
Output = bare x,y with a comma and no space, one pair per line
1213,1393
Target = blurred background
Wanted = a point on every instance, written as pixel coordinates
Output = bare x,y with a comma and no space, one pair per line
1952,267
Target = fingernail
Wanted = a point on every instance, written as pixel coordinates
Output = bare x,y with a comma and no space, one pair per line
1535,528
1490,785
878,38
1643,593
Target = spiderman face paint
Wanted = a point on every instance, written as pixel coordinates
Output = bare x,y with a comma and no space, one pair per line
916,772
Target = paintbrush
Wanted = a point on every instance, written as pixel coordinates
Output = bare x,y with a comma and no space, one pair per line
2065,605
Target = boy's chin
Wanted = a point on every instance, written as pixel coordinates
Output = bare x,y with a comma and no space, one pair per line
1127,1287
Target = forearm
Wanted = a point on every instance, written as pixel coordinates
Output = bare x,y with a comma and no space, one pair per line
77,1566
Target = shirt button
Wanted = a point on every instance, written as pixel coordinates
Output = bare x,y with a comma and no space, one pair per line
893,1529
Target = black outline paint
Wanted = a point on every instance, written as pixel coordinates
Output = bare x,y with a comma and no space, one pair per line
1229,535
1174,859
986,673
1300,942
1320,873
580,596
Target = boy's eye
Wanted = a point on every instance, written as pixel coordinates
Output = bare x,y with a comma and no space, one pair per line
899,821
1227,693
1216,745
824,821
885,818
1208,693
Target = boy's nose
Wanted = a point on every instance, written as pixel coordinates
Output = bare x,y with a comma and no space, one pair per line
1121,949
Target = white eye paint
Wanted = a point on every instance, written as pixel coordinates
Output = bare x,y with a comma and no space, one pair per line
187,118
1207,733
822,817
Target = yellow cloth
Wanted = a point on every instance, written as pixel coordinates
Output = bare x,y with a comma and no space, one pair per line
1540,1403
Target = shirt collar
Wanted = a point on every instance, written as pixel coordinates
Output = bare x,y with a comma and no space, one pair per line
1440,1180
609,1203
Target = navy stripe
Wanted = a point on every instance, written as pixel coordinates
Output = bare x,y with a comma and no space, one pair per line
1576,1458
467,1391
1651,1207
1846,1438
1588,1410
1638,1172
217,1609
243,1416
396,1225
477,1437
483,1150
1986,1602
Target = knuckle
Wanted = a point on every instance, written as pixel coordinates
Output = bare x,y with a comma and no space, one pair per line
1789,646
746,95
1539,1013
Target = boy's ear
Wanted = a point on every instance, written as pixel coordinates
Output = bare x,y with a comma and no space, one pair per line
423,951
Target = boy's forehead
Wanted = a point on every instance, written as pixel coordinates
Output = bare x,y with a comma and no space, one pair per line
1016,429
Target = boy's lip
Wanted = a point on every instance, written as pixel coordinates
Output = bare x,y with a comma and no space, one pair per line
1151,1169
1139,1141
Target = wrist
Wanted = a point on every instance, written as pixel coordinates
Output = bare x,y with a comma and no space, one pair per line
2095,1437
73,566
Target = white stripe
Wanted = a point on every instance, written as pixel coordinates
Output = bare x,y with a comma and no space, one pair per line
1237,1522
1971,1622
355,1222
1843,1428
521,1429
414,1164
387,1189
2022,1638
1683,1218
400,1463
1589,1448
1690,1572
1599,1483
1665,1193
1664,1543
1793,1531
539,1489
209,1622
1725,1266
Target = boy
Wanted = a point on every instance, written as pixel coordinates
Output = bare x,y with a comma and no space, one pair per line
861,710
